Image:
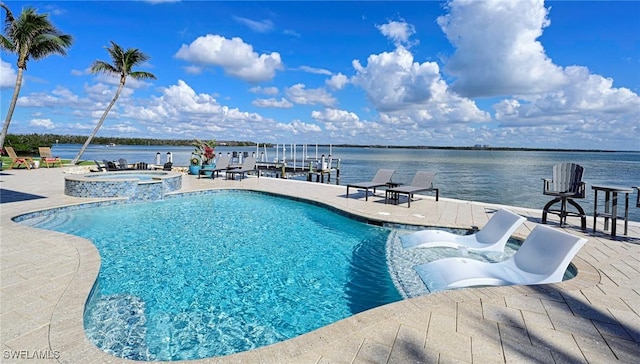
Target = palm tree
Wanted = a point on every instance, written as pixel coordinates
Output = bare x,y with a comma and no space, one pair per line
31,36
123,62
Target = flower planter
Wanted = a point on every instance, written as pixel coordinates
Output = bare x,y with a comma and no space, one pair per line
194,170
205,172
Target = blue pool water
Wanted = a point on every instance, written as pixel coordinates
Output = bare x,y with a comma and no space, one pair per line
212,274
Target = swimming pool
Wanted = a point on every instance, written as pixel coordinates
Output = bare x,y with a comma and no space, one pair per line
193,276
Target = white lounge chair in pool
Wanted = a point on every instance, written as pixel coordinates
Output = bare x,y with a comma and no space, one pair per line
492,237
543,258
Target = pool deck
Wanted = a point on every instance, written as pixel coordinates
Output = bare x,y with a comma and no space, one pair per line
45,278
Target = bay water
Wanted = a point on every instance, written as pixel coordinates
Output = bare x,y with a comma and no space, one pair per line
506,177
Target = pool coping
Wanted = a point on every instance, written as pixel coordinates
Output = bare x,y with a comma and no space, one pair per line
359,336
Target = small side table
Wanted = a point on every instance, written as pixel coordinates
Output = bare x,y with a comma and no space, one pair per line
611,206
394,197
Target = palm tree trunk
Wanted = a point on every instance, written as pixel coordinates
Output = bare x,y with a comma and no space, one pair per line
95,130
12,106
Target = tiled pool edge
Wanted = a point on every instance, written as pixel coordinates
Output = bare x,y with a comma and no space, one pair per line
92,186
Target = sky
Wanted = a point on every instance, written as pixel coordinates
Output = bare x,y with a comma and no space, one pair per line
525,73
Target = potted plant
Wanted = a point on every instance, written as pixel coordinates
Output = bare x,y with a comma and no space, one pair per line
194,166
204,152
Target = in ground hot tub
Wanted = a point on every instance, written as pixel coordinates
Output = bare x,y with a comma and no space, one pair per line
135,185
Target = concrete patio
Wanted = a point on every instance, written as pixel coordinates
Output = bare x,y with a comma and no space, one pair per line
45,278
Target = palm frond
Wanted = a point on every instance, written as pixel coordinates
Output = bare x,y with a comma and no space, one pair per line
46,44
103,67
141,75
7,44
32,35
8,19
123,62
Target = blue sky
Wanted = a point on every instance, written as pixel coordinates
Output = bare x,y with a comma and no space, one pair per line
523,73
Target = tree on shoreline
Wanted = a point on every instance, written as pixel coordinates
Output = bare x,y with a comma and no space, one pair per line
31,36
123,62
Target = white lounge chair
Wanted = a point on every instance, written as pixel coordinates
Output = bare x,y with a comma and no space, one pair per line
543,258
492,237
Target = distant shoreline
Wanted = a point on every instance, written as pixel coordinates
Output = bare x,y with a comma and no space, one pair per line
483,148
29,143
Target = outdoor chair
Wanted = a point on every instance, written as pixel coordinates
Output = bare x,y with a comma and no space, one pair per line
47,158
422,182
141,166
17,161
492,237
248,165
99,166
381,179
110,166
566,186
167,166
543,258
123,165
222,164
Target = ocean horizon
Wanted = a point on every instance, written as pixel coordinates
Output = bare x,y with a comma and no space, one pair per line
507,177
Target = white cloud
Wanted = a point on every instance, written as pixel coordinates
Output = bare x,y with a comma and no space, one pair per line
393,81
273,102
545,104
397,31
42,123
299,127
337,82
264,90
343,126
75,72
236,57
181,112
193,70
335,119
292,33
181,98
7,75
300,95
587,97
58,98
260,26
411,93
318,71
497,52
